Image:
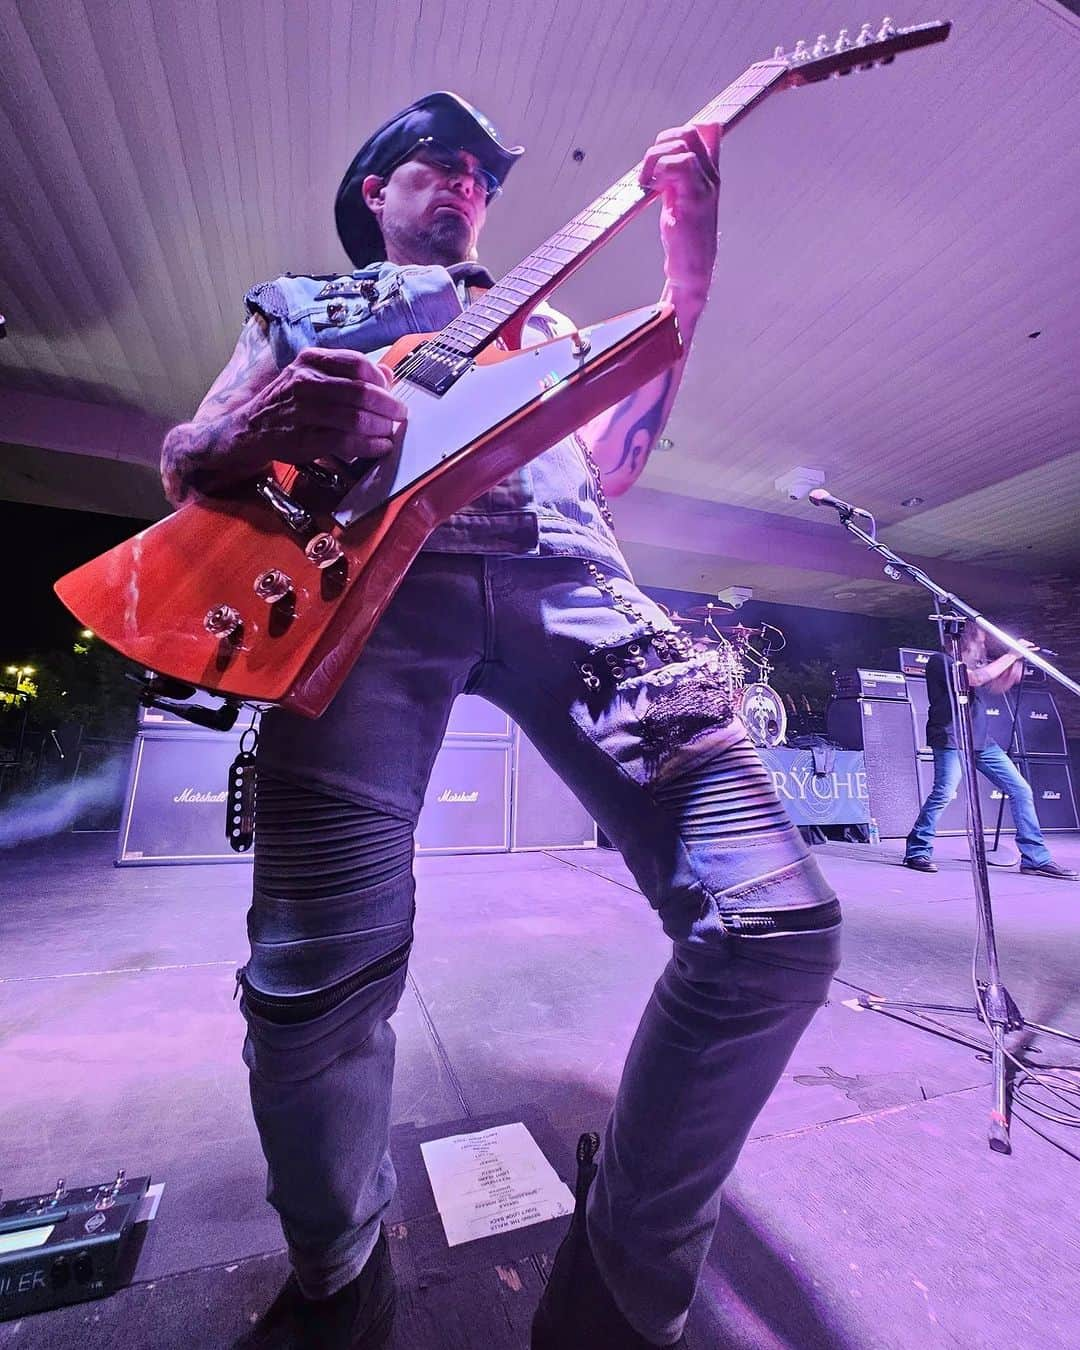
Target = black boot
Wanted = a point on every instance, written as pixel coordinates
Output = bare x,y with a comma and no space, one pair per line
576,1312
358,1317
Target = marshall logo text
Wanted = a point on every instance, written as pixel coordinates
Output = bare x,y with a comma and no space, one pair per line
190,795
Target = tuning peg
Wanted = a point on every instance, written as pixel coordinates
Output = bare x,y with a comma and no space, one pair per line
886,31
821,47
779,54
865,38
801,52
842,43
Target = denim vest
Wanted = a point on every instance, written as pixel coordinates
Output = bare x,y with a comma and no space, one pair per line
550,506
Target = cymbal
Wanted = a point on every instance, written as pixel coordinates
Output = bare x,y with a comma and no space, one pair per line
738,631
705,612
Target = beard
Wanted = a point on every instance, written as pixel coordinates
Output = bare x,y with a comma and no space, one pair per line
445,240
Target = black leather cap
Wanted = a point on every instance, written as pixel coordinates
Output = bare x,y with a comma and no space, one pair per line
443,115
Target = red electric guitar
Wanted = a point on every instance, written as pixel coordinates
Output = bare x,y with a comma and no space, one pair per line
269,595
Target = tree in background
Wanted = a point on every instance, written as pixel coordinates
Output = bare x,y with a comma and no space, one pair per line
85,686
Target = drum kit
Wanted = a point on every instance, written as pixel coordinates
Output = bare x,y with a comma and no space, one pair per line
760,706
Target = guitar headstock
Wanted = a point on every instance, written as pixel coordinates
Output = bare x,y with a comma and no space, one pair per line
808,63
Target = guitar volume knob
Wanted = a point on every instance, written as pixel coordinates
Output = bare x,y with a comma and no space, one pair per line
323,550
223,621
273,585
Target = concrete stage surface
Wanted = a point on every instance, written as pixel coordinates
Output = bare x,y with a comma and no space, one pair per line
866,1211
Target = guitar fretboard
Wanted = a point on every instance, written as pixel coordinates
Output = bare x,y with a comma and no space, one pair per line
526,284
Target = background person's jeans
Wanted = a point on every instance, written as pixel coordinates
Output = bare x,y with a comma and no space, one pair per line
996,765
331,919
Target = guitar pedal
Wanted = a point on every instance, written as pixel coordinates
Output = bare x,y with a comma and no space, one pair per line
65,1246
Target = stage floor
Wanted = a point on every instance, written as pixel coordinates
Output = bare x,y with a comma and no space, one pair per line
866,1211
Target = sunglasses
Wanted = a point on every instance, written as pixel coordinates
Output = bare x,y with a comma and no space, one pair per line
450,161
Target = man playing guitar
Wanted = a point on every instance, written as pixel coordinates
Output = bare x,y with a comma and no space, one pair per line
524,598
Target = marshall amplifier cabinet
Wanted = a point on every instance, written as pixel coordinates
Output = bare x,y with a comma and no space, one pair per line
467,806
175,808
881,729
913,660
920,706
1051,784
546,814
999,718
869,684
476,718
1038,723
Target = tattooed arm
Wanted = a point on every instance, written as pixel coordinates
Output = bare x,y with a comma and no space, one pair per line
682,166
621,439
200,455
323,404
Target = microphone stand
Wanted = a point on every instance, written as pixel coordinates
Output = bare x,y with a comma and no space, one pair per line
994,1005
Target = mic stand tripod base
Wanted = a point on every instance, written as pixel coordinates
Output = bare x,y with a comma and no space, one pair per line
1004,855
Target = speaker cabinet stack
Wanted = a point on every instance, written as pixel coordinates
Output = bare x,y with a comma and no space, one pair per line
489,792
467,804
881,729
1044,758
546,813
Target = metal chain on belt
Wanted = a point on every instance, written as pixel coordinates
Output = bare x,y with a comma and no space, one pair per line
618,660
598,480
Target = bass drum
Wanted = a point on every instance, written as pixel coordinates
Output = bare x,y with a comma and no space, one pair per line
762,711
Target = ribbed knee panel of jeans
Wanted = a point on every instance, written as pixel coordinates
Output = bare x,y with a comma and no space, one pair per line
732,794
742,851
312,846
331,915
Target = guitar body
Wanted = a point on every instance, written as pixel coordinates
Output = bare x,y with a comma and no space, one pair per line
152,597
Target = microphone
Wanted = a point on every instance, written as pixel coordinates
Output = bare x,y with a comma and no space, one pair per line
1044,651
820,497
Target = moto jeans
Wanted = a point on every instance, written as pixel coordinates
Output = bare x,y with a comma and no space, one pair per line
673,782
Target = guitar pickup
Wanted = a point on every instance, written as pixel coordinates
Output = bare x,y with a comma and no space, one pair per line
433,368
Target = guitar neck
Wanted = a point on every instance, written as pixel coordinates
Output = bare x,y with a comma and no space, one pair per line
520,290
